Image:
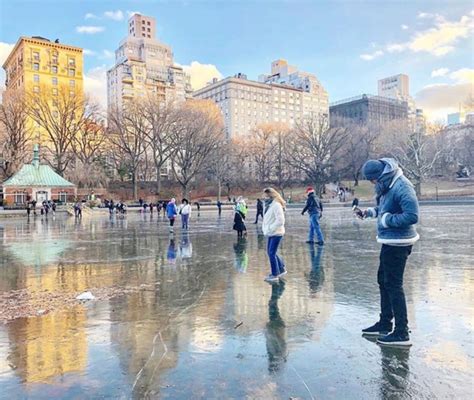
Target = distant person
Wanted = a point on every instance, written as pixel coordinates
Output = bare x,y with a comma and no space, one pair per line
78,209
355,203
28,208
198,206
397,213
53,208
273,228
140,201
240,212
171,212
33,206
219,207
259,210
185,212
314,207
151,207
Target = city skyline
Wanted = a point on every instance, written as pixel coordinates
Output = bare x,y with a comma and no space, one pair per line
428,41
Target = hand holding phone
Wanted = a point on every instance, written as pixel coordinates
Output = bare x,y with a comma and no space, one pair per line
359,213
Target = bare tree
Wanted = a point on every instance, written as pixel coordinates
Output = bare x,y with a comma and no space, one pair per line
283,170
195,136
262,143
160,117
127,135
314,149
15,133
220,163
59,121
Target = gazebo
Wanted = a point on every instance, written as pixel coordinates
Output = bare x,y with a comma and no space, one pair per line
38,182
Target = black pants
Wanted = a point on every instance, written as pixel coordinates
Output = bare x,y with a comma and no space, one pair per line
390,279
259,213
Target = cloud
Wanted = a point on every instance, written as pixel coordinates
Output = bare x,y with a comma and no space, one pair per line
463,75
88,52
89,29
404,27
5,50
95,84
441,99
438,40
130,13
371,56
115,15
107,54
439,72
201,73
90,16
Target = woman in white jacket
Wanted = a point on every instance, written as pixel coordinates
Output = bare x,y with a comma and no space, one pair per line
274,228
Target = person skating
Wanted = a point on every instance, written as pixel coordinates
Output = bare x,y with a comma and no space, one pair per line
185,212
240,212
171,212
314,207
274,228
219,207
259,210
397,214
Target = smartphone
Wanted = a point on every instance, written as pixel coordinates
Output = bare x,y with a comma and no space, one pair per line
358,212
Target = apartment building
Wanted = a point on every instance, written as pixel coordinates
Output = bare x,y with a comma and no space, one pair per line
144,66
276,98
37,64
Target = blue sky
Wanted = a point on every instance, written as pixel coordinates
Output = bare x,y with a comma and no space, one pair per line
347,44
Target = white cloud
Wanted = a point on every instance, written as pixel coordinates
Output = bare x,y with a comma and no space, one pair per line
441,99
88,52
404,27
201,73
90,16
439,72
108,54
463,75
438,40
130,13
422,15
115,15
371,56
5,50
89,29
95,84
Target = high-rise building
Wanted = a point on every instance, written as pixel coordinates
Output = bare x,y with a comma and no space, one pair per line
368,110
144,66
286,96
37,64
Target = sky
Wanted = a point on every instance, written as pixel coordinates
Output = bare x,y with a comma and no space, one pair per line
347,44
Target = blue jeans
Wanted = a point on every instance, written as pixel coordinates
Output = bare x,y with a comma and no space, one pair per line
185,221
276,263
315,228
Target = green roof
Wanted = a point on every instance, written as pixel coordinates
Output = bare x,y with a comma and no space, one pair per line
36,174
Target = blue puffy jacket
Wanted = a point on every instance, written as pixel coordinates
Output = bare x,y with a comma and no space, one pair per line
171,210
397,210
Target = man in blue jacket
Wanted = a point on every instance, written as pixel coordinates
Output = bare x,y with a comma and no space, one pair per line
397,213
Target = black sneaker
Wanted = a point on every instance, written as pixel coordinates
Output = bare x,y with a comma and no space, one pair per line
321,243
377,330
395,339
310,241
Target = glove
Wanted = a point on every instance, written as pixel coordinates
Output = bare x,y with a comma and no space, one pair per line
302,212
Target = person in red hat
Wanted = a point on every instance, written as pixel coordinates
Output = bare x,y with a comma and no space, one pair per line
314,207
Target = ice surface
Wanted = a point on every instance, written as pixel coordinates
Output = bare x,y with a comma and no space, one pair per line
177,334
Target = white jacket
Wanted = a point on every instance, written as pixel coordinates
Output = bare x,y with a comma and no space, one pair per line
274,220
185,209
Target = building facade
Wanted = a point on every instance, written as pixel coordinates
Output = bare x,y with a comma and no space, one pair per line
367,110
284,97
38,65
144,66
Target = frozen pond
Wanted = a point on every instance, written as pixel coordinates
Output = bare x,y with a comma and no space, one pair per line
198,321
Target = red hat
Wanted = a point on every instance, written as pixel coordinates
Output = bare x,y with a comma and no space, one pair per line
309,190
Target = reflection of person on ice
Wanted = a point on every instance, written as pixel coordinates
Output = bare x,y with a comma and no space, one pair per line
397,213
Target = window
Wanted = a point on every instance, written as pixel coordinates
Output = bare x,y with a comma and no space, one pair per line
143,35
143,28
36,78
20,197
55,114
54,69
36,66
54,59
55,103
36,89
62,197
36,55
148,29
54,80
71,72
148,22
71,93
55,92
72,61
72,83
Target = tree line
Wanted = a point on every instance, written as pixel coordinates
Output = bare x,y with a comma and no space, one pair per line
148,140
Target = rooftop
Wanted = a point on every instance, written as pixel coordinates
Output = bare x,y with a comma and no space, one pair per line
367,97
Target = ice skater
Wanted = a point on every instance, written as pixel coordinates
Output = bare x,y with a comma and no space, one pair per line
185,212
259,210
274,228
240,212
171,212
397,213
314,207
219,207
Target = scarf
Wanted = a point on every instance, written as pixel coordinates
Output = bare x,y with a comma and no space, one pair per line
268,202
